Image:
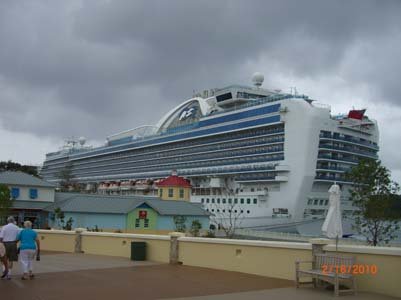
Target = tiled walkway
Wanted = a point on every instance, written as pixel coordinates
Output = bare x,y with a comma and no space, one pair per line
73,277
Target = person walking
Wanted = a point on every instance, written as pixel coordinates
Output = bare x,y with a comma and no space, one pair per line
3,259
8,236
29,246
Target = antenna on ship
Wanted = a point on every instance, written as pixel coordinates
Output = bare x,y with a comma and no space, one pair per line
257,79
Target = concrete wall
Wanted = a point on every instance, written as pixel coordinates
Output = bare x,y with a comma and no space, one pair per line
158,247
57,240
273,259
265,258
388,261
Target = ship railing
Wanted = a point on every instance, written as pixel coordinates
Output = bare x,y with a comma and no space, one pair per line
321,105
104,149
345,169
349,139
260,101
349,149
338,158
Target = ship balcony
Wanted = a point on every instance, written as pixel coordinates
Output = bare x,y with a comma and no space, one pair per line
349,140
282,168
329,157
263,179
332,169
331,178
262,193
348,150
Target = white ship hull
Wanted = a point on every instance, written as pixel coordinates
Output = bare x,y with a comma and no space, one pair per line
272,156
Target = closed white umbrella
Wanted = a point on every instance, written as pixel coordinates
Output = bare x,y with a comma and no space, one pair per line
332,226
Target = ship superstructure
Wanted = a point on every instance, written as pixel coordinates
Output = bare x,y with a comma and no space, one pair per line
266,155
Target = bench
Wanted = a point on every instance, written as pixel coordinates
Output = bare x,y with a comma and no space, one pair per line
334,269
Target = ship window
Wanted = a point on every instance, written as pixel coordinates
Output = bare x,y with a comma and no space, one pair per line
207,200
212,200
230,200
242,200
321,202
203,200
247,211
255,201
218,200
212,209
224,210
315,202
326,202
170,192
310,201
248,201
235,201
224,201
242,211
224,97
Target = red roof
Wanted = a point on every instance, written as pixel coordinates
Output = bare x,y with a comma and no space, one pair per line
174,180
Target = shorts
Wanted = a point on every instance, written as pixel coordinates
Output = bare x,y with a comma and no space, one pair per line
2,250
11,250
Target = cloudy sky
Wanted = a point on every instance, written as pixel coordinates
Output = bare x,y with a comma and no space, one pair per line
92,68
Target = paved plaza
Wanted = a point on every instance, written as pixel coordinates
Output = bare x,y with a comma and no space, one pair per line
62,276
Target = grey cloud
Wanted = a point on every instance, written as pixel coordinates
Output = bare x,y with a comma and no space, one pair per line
96,67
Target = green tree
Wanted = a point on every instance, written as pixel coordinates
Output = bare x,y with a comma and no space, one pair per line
13,166
372,193
66,177
68,224
59,215
5,202
196,226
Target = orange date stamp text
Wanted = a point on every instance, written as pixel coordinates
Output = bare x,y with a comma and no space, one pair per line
358,269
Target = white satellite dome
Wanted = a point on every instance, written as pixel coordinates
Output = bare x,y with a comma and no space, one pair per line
82,140
257,79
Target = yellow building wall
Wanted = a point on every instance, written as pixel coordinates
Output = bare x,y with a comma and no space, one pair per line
120,245
264,261
176,193
57,240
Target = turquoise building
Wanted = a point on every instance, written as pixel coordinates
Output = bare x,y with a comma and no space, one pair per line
125,212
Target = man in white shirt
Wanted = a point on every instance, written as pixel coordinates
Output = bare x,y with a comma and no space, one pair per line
8,236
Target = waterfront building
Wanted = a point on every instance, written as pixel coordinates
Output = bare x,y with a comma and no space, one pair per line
125,213
31,196
174,188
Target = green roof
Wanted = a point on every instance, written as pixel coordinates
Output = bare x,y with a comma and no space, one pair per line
21,178
94,203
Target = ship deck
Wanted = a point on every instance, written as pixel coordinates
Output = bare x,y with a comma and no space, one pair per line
80,276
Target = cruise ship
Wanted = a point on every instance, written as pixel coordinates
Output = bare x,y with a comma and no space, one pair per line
260,155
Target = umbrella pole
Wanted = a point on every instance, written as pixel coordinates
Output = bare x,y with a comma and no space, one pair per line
336,243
